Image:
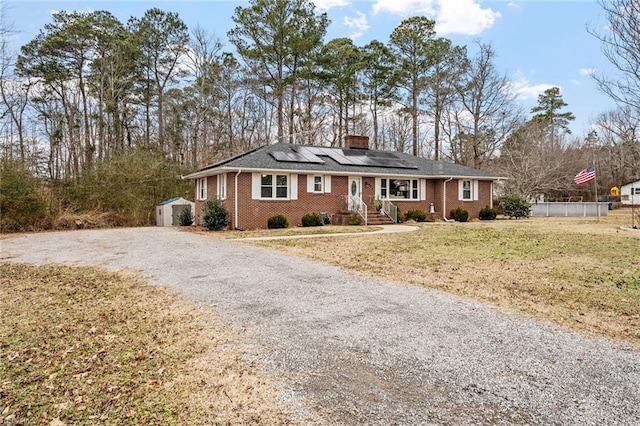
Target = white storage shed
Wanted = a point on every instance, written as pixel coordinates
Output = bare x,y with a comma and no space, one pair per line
168,211
630,193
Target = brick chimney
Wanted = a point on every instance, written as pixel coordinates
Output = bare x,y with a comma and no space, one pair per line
357,141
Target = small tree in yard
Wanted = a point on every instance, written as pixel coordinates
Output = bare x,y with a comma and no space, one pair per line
215,216
186,217
515,206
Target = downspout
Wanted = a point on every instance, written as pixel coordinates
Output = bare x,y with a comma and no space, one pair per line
235,199
491,198
444,199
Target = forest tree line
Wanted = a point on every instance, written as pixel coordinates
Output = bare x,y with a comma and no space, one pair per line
90,93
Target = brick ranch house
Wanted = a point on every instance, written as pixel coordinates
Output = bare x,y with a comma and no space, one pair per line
294,180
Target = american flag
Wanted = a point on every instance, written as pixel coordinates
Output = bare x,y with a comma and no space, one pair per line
585,175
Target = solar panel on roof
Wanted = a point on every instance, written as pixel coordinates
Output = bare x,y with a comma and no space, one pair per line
345,157
295,157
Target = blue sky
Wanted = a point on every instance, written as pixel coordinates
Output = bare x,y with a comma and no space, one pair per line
539,44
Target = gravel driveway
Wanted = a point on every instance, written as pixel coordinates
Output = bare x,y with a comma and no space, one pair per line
358,350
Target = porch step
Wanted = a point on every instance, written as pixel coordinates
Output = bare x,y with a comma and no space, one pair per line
375,217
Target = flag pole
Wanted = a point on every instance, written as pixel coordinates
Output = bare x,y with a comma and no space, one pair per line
595,188
595,178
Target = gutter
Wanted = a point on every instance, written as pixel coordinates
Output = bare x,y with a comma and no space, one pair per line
235,199
444,199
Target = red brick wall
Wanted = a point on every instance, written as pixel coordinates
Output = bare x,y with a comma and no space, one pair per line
253,214
473,207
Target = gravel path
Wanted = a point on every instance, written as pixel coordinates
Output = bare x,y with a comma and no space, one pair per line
364,351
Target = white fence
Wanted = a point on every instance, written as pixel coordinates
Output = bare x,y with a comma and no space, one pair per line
569,209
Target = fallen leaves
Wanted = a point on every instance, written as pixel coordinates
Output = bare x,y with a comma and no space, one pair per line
85,346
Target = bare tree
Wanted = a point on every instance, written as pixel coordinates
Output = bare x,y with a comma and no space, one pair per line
13,92
535,165
618,146
621,44
488,111
398,131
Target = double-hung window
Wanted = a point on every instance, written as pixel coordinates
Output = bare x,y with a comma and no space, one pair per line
222,187
201,189
274,186
467,190
317,184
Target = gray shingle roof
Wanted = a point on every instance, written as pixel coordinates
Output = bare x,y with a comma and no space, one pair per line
262,159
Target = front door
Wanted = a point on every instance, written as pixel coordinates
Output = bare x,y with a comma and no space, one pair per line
355,192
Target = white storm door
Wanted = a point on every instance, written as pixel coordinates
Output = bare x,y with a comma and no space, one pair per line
355,192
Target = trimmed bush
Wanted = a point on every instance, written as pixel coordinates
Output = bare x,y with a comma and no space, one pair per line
459,215
186,217
278,221
354,219
487,213
311,219
417,215
214,216
515,206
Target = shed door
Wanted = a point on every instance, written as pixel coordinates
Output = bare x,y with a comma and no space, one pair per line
176,209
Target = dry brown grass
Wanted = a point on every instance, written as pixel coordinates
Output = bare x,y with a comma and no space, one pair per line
286,232
84,346
583,273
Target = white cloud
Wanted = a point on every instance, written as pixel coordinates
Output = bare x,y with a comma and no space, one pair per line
359,25
405,7
587,72
330,4
524,90
464,17
451,16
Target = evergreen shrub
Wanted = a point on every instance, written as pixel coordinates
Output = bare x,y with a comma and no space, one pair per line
311,219
186,217
278,221
214,215
516,206
459,215
417,215
487,213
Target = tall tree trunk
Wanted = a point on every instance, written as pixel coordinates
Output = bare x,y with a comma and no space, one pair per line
88,149
414,116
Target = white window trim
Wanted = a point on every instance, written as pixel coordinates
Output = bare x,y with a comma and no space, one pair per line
201,189
473,190
325,185
421,195
222,186
292,186
311,184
